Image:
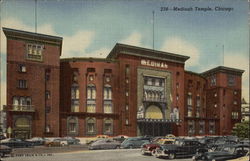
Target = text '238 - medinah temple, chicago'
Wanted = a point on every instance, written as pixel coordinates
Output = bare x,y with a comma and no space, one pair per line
134,91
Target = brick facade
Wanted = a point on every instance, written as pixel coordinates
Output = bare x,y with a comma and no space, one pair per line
134,91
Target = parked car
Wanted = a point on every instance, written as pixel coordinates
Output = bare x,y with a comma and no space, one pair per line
36,141
56,142
226,153
150,147
221,141
244,158
181,147
134,142
71,140
16,143
2,137
120,138
98,137
105,144
5,150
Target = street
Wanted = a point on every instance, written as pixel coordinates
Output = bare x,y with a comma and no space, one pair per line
94,155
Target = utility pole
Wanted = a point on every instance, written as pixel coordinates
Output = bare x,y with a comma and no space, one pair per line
153,30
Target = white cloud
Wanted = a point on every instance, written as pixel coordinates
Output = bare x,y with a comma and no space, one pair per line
76,44
180,46
133,39
100,53
239,61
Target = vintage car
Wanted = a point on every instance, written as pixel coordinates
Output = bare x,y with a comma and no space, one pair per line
181,147
56,142
120,138
105,144
150,147
244,158
36,141
98,137
16,143
71,140
5,150
226,153
134,142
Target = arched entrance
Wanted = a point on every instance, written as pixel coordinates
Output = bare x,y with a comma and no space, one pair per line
153,112
22,128
154,123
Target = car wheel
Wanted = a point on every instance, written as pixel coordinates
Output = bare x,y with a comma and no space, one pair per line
131,147
63,144
117,147
153,153
171,155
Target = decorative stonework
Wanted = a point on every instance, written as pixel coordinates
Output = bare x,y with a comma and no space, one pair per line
145,71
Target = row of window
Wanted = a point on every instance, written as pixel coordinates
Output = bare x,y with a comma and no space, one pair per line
91,127
151,81
91,92
200,129
230,80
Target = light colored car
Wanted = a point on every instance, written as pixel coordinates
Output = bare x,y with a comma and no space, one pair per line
98,137
56,142
105,144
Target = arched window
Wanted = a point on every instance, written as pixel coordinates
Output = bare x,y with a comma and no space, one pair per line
22,122
72,125
107,95
108,126
75,97
91,126
22,101
15,101
91,91
75,91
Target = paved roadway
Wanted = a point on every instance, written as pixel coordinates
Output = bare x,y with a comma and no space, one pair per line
87,155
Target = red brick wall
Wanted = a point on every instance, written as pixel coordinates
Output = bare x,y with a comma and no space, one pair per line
35,76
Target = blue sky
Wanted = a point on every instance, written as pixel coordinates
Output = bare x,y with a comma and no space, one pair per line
90,28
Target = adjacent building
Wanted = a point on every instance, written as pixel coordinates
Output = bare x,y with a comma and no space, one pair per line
133,91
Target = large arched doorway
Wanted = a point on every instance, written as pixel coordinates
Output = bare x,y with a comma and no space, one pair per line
153,112
154,123
22,128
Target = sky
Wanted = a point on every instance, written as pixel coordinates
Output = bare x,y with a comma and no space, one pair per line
91,28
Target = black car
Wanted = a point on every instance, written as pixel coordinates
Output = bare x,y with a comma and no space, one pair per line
16,143
5,150
181,147
227,152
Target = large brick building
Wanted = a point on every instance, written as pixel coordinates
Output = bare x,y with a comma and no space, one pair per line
133,91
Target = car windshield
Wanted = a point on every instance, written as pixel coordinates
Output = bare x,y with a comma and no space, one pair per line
178,142
229,149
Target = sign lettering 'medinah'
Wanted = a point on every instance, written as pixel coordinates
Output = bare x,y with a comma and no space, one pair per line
153,63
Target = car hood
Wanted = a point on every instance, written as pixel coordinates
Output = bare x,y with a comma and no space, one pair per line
169,146
217,153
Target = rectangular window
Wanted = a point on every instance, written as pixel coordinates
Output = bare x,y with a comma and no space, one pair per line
47,94
127,70
201,127
22,83
74,105
34,52
126,122
22,68
211,127
91,108
107,108
213,80
231,80
191,127
235,115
